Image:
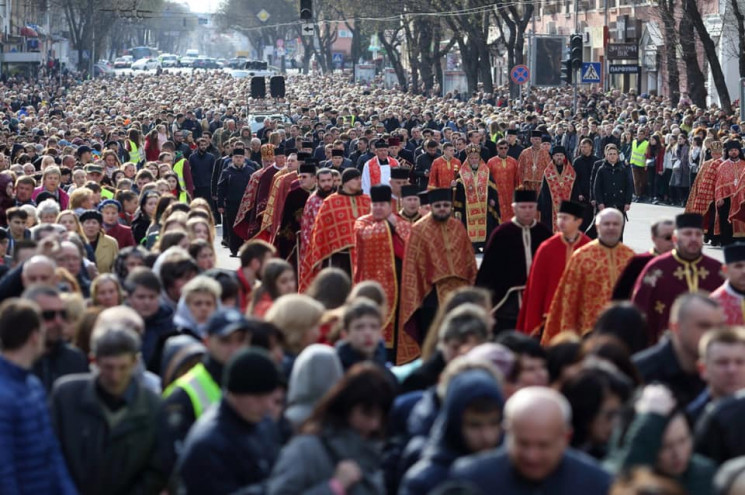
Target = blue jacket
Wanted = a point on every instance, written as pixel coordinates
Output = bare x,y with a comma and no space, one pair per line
158,328
30,458
446,444
576,474
223,453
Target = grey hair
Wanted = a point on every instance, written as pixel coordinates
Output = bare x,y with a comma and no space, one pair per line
114,341
48,206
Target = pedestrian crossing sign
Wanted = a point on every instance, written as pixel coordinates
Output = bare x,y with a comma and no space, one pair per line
590,72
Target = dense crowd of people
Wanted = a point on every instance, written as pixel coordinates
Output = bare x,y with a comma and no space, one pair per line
433,294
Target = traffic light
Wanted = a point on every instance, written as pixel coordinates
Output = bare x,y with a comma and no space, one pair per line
306,10
575,51
567,71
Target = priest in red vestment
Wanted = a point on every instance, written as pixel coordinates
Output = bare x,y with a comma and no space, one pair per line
587,282
701,198
377,170
277,195
508,257
288,230
662,240
438,259
324,188
247,222
332,237
380,239
505,172
532,163
725,188
731,294
476,202
444,169
411,206
548,266
684,269
558,185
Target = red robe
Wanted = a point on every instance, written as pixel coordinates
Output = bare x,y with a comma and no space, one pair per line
664,279
333,232
286,238
268,227
310,211
507,177
701,199
443,173
585,288
732,303
439,257
277,199
729,185
555,188
531,166
246,209
378,248
545,272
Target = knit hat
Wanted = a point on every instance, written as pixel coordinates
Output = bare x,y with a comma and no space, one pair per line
251,372
110,202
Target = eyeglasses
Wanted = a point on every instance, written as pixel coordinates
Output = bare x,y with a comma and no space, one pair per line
502,147
51,314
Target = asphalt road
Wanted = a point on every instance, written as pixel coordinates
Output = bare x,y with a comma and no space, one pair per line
636,235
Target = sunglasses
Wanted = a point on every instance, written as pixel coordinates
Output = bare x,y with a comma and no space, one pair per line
51,314
502,147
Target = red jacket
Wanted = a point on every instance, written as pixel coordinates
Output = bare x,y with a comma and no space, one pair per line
121,233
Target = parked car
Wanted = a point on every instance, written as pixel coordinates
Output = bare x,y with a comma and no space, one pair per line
103,70
205,63
168,60
146,64
186,61
123,62
256,121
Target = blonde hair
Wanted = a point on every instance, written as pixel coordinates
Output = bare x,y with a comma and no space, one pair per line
78,196
201,284
294,315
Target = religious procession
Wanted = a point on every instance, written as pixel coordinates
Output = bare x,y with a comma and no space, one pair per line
372,293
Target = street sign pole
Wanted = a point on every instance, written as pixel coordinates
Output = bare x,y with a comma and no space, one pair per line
576,85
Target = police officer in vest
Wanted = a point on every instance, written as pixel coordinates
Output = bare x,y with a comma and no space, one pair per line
638,163
189,396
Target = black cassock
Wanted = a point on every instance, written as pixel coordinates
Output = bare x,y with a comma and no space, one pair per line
505,267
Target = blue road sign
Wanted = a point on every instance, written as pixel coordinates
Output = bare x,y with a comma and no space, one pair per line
591,72
337,58
520,74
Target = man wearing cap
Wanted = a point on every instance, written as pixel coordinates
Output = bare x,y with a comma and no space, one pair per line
410,204
684,269
438,259
662,240
189,396
476,201
288,225
110,209
548,266
504,170
729,193
533,162
235,444
444,169
380,239
337,160
233,182
731,294
587,283
332,237
508,257
324,188
399,178
701,199
286,171
377,170
250,213
105,247
557,186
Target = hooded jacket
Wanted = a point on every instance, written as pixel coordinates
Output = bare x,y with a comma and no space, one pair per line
157,329
446,443
184,320
5,200
316,370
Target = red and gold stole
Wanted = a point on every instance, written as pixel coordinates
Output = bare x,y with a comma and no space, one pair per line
374,167
560,185
476,190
